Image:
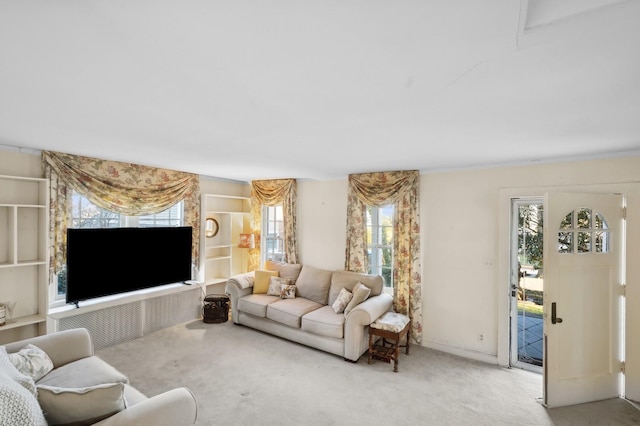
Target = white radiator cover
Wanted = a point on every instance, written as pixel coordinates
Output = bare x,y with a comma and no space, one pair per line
116,324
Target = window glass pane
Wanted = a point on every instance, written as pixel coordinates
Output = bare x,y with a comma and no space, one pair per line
601,240
598,222
565,242
272,239
380,242
387,257
173,216
584,242
387,275
85,214
589,239
567,222
583,218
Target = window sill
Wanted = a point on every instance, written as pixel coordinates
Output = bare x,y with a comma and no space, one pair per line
64,310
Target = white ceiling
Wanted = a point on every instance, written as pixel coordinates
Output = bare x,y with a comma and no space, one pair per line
247,90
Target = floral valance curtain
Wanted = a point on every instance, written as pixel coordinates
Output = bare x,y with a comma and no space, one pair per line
270,193
401,189
129,189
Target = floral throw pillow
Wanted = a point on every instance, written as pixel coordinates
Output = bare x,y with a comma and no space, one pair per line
32,361
275,286
288,291
342,301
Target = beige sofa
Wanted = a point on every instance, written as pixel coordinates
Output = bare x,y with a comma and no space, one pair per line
84,389
310,318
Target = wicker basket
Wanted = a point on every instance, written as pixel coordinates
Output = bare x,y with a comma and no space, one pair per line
215,308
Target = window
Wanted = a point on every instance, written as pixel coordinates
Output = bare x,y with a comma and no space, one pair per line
85,214
272,241
173,216
583,231
380,242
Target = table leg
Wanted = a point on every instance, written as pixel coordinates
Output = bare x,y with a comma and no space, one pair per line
408,338
396,355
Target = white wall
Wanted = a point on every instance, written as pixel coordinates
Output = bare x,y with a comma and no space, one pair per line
209,185
322,223
465,256
13,162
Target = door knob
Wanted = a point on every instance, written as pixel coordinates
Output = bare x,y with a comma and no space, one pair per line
554,319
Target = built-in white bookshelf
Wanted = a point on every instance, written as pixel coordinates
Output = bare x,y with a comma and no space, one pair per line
24,259
221,257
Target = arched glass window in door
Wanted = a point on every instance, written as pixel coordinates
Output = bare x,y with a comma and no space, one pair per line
583,231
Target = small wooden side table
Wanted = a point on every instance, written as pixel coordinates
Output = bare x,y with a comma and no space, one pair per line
391,328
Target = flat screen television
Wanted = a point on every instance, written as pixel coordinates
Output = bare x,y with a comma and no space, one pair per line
104,262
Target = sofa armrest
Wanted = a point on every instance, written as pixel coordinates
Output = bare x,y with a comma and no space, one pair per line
370,310
358,320
172,408
62,347
242,281
238,286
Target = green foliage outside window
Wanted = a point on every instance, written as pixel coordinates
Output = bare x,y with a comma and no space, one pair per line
530,226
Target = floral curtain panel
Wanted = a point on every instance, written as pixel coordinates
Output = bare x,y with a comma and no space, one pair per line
125,188
401,189
271,193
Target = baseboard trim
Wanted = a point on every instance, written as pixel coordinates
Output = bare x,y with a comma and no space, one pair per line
462,352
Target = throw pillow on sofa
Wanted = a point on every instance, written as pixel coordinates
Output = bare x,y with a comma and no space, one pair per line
313,284
360,293
342,301
83,373
262,280
32,361
88,405
285,270
275,286
287,291
18,402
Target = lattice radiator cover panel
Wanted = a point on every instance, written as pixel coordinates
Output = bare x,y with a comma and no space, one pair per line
163,312
117,324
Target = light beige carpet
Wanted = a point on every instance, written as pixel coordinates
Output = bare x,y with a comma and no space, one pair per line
244,377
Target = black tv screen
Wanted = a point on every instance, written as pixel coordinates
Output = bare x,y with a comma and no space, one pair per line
103,262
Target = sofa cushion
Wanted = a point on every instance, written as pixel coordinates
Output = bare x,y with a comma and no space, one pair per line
288,291
275,285
313,284
325,322
32,361
391,321
289,271
360,294
290,311
256,304
83,373
19,405
348,280
81,406
342,301
262,280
